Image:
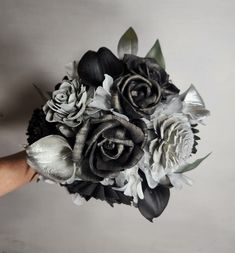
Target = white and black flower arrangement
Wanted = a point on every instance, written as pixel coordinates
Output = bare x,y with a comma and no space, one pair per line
117,129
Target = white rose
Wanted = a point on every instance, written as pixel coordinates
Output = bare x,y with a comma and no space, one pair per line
67,104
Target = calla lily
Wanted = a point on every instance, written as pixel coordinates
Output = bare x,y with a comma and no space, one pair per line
51,157
93,66
154,202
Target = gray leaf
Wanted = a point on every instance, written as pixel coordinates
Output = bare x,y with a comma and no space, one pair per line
156,53
191,166
128,44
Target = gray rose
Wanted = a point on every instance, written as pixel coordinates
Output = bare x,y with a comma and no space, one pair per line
67,104
108,145
135,96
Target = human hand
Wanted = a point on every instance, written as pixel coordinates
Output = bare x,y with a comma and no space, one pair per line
15,172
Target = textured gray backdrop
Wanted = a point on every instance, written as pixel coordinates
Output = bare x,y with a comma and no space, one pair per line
37,38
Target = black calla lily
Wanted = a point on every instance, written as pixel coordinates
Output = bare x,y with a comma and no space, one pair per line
93,65
155,200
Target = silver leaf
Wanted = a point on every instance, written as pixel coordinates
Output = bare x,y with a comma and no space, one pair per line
196,113
192,96
191,166
193,105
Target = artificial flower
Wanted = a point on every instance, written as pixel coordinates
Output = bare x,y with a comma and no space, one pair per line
108,145
67,104
135,96
93,65
148,68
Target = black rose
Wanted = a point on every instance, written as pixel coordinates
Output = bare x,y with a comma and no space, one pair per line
149,68
135,96
93,66
108,145
38,127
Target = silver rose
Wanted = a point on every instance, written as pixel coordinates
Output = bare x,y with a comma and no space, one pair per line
67,104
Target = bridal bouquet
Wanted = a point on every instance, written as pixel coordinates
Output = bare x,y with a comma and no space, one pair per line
117,129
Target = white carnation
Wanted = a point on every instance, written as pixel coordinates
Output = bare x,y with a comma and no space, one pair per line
170,146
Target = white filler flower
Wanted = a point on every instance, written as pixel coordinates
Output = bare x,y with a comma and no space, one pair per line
130,183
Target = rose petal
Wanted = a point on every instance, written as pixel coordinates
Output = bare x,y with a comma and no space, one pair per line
98,131
96,162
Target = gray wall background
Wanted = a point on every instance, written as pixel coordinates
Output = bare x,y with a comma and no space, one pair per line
37,38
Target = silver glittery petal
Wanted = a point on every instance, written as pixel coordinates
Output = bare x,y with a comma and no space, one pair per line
193,105
192,96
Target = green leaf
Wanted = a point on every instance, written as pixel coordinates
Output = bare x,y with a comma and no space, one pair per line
45,96
156,53
128,44
191,166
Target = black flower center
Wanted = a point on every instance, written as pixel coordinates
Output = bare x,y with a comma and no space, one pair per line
142,93
109,145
